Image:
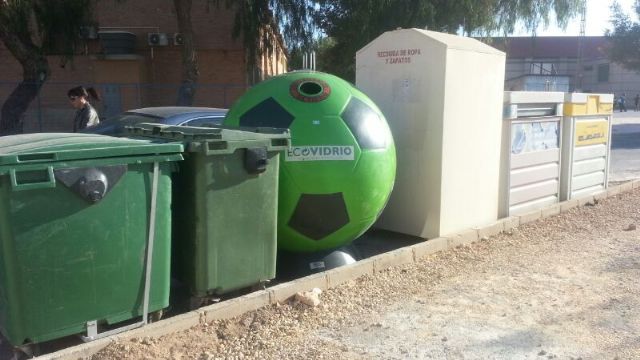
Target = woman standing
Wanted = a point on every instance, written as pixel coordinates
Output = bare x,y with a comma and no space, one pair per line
86,116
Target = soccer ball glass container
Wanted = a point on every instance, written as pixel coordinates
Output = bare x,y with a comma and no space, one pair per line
338,175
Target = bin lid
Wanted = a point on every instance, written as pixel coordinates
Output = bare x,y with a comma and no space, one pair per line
533,97
52,147
219,138
581,98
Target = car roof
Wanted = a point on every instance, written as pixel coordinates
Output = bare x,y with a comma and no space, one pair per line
168,115
169,111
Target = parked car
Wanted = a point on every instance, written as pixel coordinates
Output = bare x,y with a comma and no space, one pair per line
168,115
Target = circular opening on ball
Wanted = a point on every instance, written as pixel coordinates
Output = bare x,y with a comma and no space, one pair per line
310,88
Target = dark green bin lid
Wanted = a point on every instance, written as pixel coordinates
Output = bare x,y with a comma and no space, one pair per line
54,147
215,140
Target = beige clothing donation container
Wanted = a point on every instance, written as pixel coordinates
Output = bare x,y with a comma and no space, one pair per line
531,143
586,135
442,96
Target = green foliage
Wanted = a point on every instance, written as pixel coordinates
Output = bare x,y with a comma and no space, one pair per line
625,38
531,13
320,46
60,24
15,14
52,27
31,30
259,22
355,23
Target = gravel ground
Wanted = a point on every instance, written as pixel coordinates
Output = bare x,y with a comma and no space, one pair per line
561,288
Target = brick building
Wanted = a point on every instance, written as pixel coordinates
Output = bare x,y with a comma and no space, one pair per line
148,73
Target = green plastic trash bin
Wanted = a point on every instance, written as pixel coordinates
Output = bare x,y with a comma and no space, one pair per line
75,214
225,205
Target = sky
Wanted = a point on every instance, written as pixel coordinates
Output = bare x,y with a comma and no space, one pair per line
598,14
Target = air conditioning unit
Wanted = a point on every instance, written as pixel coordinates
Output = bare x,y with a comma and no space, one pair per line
178,39
157,39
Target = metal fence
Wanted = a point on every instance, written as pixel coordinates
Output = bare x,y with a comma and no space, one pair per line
51,111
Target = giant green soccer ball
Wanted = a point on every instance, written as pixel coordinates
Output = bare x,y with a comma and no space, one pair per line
336,178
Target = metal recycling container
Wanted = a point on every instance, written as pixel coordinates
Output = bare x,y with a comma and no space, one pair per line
531,143
225,205
587,144
75,215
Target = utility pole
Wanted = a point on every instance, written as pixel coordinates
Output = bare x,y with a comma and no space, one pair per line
579,66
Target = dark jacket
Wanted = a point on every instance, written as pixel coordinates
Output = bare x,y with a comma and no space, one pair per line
85,117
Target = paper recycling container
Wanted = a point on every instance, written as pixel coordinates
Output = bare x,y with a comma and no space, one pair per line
75,214
531,143
587,144
225,205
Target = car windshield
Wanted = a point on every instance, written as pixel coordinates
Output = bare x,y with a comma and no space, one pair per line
205,121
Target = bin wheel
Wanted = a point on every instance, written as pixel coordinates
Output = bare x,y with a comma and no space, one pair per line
196,302
26,352
262,285
155,316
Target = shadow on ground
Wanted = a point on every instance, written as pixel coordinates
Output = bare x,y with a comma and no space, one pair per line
625,136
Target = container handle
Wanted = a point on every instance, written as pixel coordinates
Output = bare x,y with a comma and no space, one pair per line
216,148
18,184
36,157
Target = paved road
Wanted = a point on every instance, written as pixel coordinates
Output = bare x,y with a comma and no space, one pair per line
625,147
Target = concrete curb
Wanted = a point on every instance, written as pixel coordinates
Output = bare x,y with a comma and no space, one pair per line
490,230
392,258
335,277
510,223
532,216
234,307
81,351
568,205
426,248
552,210
462,238
282,292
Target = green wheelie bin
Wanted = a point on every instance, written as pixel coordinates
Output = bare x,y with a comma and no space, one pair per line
225,205
85,225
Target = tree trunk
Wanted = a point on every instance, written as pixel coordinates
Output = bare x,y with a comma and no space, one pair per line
16,105
35,71
190,70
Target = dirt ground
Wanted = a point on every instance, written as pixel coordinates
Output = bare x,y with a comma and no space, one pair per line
561,288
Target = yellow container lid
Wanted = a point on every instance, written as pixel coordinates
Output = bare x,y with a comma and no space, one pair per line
584,104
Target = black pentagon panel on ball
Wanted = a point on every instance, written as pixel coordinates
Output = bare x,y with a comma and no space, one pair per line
319,215
369,129
268,113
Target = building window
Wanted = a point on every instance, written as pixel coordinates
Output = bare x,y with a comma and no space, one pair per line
603,73
542,68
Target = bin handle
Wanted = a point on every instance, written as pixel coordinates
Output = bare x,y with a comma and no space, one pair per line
150,242
217,148
26,185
